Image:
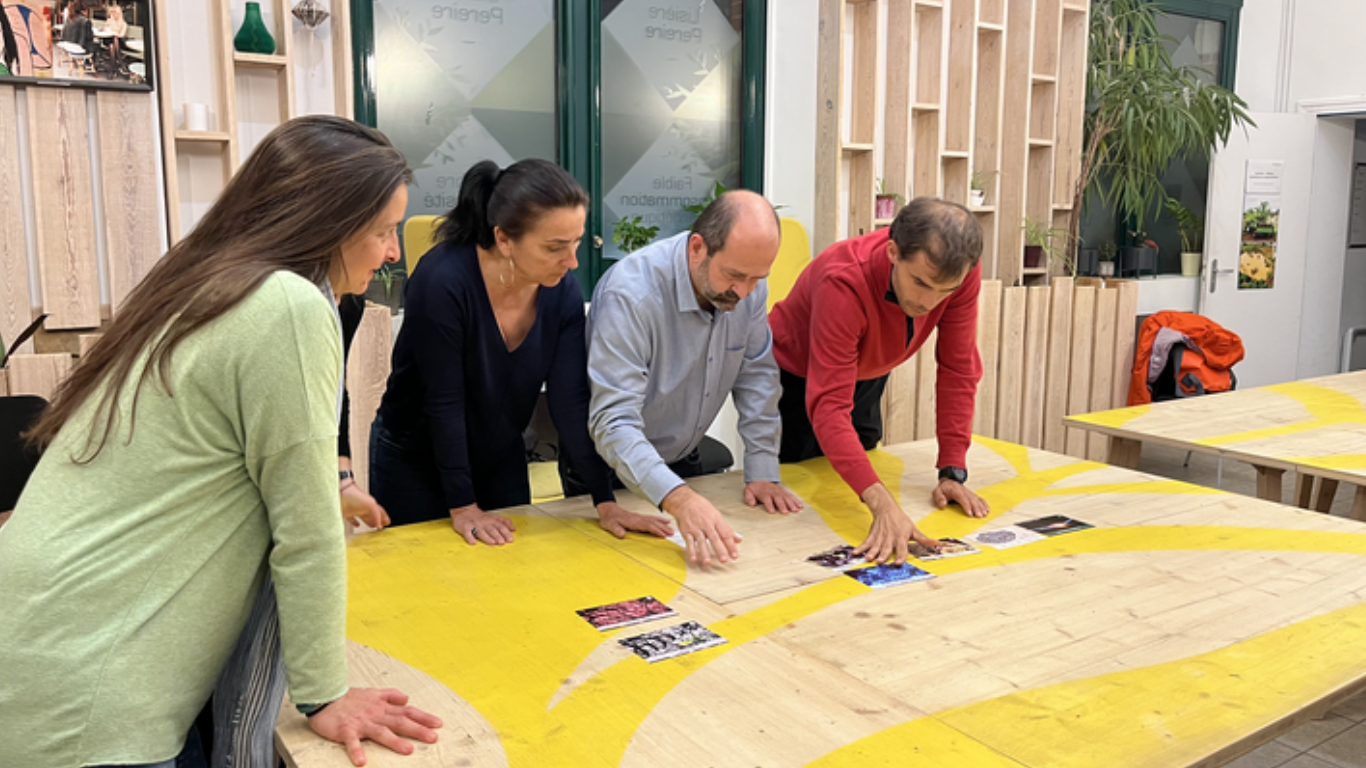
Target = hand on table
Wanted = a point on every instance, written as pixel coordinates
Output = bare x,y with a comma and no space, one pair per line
704,530
951,491
775,498
891,530
617,520
476,525
381,715
360,507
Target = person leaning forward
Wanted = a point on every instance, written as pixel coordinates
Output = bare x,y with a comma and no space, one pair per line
862,308
673,329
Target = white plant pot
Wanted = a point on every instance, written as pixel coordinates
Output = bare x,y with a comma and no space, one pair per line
1190,263
978,198
1107,269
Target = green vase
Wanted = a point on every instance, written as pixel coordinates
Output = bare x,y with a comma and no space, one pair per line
253,37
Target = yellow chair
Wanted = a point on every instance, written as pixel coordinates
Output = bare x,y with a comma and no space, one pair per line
793,256
419,235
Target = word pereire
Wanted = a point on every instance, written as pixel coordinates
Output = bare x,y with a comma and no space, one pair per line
473,15
679,16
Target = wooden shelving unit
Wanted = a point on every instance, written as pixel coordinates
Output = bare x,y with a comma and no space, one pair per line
223,140
994,87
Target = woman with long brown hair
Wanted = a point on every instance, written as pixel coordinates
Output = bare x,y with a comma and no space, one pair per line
189,477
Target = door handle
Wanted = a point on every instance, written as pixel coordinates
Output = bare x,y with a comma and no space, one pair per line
597,241
1214,272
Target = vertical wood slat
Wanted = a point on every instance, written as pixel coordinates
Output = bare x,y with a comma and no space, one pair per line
925,398
1102,365
62,206
37,374
1011,188
899,404
367,371
1035,367
16,307
1011,379
86,341
830,84
989,348
132,228
1059,364
896,163
1126,315
1079,383
342,83
4,382
958,100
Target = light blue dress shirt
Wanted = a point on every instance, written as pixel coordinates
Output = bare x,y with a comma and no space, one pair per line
660,368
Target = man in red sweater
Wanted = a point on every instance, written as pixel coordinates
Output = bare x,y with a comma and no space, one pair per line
862,308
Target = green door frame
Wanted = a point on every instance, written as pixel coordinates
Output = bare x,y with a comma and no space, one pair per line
1226,11
578,81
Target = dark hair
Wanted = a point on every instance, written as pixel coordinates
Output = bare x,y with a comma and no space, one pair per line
947,233
11,58
718,218
311,185
512,200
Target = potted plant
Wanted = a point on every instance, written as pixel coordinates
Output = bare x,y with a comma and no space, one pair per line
1142,112
629,234
885,203
977,189
1192,236
1107,259
386,287
1088,260
1139,257
1041,240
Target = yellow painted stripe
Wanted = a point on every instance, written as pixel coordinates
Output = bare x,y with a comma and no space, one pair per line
1116,417
1341,461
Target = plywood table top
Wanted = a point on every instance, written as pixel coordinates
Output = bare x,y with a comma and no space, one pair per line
1189,626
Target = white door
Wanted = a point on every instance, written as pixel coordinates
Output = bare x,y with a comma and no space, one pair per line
1281,151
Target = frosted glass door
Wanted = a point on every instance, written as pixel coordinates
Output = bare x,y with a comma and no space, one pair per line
457,83
671,107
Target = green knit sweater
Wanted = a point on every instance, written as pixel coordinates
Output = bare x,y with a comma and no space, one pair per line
124,582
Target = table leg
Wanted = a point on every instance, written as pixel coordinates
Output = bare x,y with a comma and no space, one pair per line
1359,506
1269,483
1124,452
1323,495
1304,490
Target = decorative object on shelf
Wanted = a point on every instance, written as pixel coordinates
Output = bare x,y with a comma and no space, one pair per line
196,116
1042,240
253,37
1192,236
885,204
1142,112
976,190
629,234
1138,258
310,13
1107,259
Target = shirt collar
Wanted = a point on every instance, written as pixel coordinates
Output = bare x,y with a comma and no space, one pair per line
687,299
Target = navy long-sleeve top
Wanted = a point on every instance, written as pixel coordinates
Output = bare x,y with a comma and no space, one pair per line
455,383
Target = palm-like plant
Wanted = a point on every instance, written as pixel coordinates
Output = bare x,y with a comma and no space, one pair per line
1142,111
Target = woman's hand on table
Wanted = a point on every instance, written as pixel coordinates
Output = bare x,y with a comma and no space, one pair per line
617,520
476,526
380,715
360,507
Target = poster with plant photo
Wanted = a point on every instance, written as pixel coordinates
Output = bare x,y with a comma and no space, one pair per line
1257,253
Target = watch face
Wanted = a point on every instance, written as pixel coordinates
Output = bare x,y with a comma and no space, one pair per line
955,474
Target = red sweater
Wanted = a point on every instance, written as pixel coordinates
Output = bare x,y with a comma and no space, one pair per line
860,335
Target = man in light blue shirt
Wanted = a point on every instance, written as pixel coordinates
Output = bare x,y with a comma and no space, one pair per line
673,329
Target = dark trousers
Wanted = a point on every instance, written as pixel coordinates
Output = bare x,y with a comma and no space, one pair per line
799,439
709,458
405,481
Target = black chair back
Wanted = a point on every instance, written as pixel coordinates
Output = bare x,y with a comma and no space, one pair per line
17,414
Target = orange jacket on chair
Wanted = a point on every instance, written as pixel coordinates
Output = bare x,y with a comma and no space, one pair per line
1204,359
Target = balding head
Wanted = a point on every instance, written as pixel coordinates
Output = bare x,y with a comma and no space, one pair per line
732,247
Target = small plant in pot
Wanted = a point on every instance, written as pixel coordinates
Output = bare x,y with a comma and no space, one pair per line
1140,257
1041,240
1192,236
1107,258
629,234
977,187
386,287
885,204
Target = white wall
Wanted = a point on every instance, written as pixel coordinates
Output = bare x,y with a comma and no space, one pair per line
790,111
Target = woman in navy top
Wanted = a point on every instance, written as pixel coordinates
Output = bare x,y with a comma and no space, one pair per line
492,313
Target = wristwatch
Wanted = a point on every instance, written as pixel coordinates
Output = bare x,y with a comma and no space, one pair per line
956,474
344,475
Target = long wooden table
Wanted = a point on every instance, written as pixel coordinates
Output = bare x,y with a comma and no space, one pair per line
1190,626
1316,427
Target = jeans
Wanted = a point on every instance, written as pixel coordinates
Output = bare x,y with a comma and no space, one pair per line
251,686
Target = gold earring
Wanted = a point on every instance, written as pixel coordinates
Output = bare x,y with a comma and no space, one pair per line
511,275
